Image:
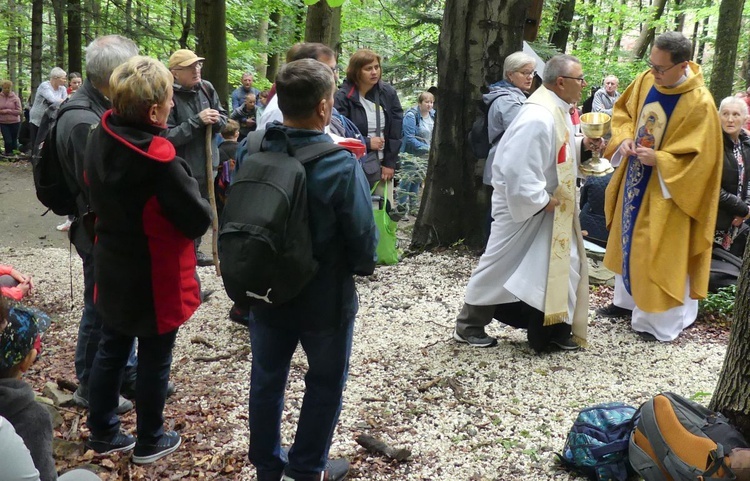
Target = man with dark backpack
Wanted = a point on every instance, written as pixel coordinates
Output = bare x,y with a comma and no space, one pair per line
75,119
332,237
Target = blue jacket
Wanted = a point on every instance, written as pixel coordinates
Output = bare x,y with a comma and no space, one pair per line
239,94
413,144
344,239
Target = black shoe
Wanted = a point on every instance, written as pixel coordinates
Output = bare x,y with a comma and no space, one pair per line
149,453
565,343
612,311
118,443
81,399
647,336
128,389
336,470
204,259
482,340
240,315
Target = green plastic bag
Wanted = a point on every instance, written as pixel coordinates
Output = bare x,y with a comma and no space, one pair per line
387,251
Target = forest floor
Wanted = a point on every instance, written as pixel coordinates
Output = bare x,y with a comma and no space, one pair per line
465,414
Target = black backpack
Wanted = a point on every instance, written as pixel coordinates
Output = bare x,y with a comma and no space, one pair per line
265,246
50,179
479,137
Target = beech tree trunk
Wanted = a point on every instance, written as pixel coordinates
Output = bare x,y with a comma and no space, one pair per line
12,64
640,49
211,34
475,38
561,30
319,23
75,63
58,8
274,58
732,394
37,17
725,48
262,65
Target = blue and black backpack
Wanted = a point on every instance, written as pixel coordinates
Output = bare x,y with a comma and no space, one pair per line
597,444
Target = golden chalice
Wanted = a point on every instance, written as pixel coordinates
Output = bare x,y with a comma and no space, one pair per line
595,125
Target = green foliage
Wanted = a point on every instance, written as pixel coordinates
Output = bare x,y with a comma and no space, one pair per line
719,305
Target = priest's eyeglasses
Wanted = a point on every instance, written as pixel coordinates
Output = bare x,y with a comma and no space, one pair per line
660,70
580,79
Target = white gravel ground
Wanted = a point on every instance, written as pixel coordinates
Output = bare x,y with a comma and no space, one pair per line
465,413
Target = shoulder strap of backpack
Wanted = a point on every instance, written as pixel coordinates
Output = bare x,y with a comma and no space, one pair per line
315,151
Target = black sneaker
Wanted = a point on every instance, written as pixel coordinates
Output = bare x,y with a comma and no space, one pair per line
128,389
239,315
149,453
647,336
612,311
482,340
204,259
81,399
118,443
565,343
336,470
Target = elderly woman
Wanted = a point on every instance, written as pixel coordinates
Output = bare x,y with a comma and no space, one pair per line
149,211
51,92
503,101
373,106
733,198
10,117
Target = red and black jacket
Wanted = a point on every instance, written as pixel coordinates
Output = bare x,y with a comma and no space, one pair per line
149,210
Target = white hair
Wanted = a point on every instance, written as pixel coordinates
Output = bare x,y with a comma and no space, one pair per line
734,101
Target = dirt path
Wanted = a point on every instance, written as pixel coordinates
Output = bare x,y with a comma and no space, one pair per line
21,222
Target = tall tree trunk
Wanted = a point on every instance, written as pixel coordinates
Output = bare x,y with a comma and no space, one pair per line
129,18
274,58
58,7
620,28
745,74
702,41
589,21
75,63
262,65
210,32
319,23
37,18
725,48
187,25
647,34
13,18
561,29
475,38
679,19
335,41
732,394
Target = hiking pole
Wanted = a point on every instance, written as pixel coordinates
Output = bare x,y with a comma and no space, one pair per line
212,199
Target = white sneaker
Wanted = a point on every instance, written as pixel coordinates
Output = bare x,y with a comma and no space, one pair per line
65,226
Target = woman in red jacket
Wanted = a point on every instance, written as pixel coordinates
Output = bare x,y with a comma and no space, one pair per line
10,117
148,211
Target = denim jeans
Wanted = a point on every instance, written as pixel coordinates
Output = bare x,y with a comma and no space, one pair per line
89,330
328,355
10,136
155,361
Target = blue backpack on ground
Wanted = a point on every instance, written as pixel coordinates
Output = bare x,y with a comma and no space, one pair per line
597,444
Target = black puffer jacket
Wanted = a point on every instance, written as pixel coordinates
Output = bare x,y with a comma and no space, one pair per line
148,210
348,103
731,205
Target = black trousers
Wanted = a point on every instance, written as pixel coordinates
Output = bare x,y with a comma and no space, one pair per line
472,320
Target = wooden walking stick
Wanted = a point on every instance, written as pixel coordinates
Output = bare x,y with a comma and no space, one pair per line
212,198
